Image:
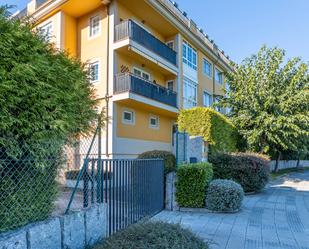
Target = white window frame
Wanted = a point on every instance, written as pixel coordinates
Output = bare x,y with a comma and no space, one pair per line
91,19
218,73
205,61
204,99
125,121
168,82
142,72
93,62
47,35
189,102
157,126
191,61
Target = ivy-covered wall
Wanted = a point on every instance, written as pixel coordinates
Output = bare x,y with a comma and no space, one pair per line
214,127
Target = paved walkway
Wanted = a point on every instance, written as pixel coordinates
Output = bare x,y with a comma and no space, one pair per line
276,218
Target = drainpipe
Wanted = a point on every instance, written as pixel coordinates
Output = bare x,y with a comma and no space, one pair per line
107,97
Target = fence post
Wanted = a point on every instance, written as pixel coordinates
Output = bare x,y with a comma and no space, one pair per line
86,184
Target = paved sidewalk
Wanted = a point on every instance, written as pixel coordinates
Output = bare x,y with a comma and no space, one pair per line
276,218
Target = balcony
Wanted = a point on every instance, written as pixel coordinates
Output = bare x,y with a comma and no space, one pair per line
129,30
132,84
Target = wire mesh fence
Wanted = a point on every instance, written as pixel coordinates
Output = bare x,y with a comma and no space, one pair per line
37,179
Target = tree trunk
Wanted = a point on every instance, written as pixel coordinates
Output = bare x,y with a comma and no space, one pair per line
277,161
298,161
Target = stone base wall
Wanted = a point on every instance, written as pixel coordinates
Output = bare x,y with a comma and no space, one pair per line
73,231
170,191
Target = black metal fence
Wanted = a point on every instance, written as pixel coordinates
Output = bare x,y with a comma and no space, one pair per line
130,29
131,83
131,189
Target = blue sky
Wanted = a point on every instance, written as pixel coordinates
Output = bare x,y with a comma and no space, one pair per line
240,27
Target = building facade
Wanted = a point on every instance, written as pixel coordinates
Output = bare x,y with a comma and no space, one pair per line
147,60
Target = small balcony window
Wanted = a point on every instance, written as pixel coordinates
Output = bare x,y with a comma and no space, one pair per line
142,74
170,85
46,31
94,71
128,117
207,68
218,76
154,122
207,99
94,26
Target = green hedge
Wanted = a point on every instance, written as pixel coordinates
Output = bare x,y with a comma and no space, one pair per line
214,127
169,159
250,170
192,181
153,235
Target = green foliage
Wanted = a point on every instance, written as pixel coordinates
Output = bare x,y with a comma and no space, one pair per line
250,170
269,101
44,94
192,181
153,235
169,159
46,100
211,125
224,196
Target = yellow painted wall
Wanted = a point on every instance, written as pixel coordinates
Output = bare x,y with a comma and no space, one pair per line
141,128
70,34
94,48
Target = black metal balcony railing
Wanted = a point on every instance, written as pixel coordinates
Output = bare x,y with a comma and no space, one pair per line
129,29
131,83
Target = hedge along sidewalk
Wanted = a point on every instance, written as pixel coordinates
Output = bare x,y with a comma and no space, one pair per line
191,184
73,231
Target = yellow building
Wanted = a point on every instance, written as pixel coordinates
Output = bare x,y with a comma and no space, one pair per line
147,60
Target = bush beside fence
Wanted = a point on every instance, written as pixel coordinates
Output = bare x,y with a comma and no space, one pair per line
192,181
251,171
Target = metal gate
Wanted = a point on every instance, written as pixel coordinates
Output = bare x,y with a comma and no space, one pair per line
132,189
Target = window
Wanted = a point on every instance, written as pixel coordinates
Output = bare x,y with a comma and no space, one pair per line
128,117
207,99
94,71
154,122
142,74
170,44
217,100
189,93
207,68
170,85
189,55
218,76
46,31
94,26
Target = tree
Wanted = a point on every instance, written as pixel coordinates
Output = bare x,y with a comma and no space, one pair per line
46,101
44,93
269,101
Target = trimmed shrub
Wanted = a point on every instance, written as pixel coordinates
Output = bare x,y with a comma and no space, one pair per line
214,127
153,235
224,196
169,159
250,170
192,181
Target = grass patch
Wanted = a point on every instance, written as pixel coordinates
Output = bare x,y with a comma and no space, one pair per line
282,172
